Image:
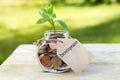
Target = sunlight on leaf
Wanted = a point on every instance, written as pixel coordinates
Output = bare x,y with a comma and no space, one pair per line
62,23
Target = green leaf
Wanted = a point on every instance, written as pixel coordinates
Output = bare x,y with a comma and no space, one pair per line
42,20
53,15
44,10
62,23
43,13
49,8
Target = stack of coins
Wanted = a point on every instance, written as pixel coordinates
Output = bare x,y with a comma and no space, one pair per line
48,56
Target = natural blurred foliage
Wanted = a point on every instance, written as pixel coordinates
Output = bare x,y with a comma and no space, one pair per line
102,1
90,21
87,1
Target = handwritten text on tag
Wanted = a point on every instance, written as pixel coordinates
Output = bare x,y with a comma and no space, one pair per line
74,54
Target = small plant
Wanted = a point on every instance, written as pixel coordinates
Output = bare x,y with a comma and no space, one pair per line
48,16
47,46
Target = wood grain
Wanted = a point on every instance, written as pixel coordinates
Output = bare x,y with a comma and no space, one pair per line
22,65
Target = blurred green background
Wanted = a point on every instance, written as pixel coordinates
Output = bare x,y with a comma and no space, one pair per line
90,21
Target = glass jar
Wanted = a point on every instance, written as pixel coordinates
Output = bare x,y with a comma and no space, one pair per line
47,52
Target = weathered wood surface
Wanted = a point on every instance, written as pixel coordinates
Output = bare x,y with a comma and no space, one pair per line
22,65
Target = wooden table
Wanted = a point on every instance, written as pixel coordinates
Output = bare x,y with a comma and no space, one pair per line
22,65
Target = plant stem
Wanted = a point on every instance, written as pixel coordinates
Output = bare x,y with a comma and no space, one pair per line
53,26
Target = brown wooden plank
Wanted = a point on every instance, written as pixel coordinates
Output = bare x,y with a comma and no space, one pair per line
22,65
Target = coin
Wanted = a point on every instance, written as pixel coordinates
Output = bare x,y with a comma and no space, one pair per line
48,55
56,62
53,45
41,51
45,61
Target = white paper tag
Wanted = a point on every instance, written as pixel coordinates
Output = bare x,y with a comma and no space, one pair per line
74,54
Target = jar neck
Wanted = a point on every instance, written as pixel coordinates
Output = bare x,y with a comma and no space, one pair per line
59,34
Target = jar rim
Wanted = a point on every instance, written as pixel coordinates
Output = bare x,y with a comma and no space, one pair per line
48,32
56,31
